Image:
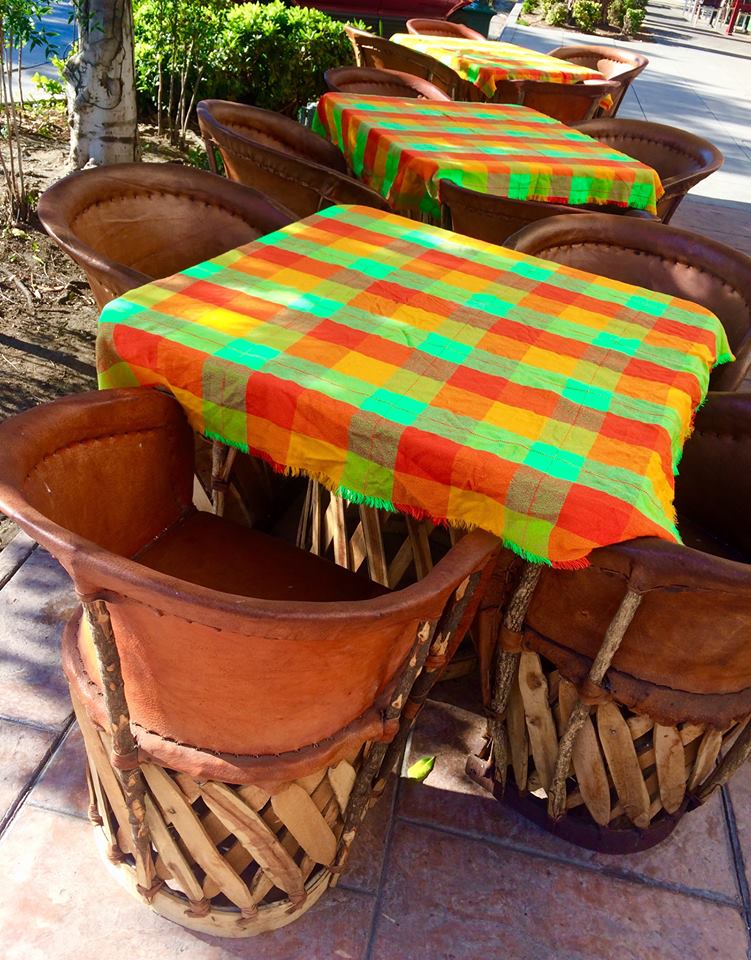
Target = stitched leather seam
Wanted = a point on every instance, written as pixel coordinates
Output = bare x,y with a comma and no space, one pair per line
92,440
150,194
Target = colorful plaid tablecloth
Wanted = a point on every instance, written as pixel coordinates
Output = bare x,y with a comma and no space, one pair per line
402,148
417,370
484,62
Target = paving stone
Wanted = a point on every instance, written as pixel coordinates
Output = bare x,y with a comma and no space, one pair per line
448,897
63,904
22,751
697,856
33,606
739,789
62,785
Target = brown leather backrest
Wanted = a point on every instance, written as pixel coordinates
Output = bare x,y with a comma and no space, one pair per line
712,487
130,223
680,158
686,654
660,258
385,55
301,184
613,63
205,669
491,218
274,130
381,83
113,468
568,102
442,28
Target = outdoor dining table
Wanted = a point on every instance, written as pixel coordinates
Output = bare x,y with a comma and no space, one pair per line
402,148
485,62
416,370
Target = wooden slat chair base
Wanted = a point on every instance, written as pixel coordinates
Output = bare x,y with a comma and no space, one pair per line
220,851
629,779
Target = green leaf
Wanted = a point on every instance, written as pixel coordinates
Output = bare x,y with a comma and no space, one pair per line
421,768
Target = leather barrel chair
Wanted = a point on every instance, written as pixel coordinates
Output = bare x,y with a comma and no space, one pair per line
571,103
442,28
613,63
622,690
495,219
256,695
681,159
130,223
381,83
381,54
280,157
665,259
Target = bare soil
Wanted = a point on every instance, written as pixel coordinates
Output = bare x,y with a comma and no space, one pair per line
47,313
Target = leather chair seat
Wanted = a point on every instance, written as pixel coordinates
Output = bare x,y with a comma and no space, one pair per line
215,553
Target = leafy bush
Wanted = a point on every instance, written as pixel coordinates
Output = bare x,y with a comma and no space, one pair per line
615,14
632,20
529,6
557,14
267,54
587,15
275,56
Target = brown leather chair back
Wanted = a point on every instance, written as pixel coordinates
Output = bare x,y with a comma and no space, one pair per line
657,257
686,655
613,63
495,219
131,223
280,157
442,28
215,682
680,158
385,55
381,83
353,33
571,103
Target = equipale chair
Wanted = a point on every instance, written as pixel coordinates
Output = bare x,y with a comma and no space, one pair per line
661,258
623,695
131,223
280,157
442,28
495,219
241,701
612,62
381,83
681,159
571,103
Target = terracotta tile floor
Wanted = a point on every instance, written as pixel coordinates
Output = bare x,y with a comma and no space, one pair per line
440,870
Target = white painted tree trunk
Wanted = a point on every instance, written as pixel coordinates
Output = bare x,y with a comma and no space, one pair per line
100,86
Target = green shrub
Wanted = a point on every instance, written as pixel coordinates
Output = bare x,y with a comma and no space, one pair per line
275,56
557,14
587,15
266,54
616,10
529,6
633,18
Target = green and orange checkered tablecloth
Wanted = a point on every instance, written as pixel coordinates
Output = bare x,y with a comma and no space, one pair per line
485,62
414,369
402,148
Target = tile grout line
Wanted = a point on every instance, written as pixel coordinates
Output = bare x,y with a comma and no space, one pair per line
15,565
41,727
368,952
738,859
611,872
10,815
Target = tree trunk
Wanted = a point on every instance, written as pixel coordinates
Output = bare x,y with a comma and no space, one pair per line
101,89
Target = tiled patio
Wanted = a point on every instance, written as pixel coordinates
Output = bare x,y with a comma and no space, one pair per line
440,870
